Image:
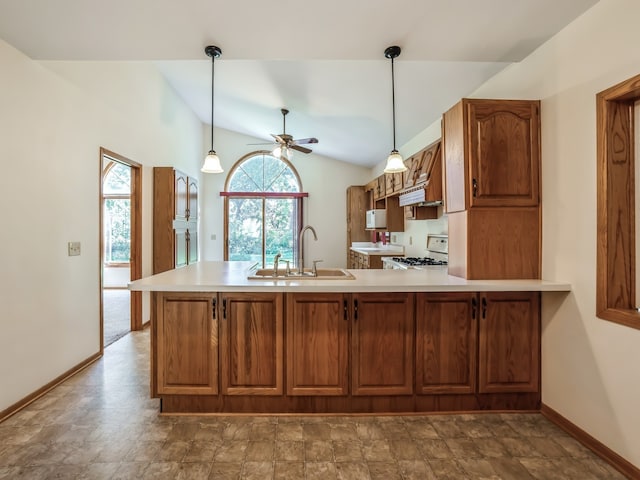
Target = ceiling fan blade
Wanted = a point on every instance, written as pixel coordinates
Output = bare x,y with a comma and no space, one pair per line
306,140
265,143
300,149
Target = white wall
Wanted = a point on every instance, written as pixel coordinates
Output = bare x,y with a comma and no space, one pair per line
53,124
590,367
326,180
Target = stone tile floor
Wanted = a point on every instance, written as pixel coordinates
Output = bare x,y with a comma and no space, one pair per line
100,424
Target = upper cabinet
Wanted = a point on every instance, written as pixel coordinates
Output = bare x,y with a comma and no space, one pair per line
492,154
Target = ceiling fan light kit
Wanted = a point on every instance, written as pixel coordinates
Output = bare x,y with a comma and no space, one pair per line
212,161
285,144
395,163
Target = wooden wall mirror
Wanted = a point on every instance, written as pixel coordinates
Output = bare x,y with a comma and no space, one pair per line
616,237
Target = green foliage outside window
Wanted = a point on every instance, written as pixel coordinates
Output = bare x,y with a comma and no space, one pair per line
261,227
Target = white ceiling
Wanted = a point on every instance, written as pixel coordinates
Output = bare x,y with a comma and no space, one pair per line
323,61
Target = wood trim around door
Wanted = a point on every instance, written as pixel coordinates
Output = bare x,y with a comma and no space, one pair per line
136,238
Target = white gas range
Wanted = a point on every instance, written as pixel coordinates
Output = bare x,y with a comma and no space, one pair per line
437,255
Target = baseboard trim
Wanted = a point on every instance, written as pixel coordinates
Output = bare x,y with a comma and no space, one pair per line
16,407
604,452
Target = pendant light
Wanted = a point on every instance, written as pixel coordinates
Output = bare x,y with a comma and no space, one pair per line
395,163
211,161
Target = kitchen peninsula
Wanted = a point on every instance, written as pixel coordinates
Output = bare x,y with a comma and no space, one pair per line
384,341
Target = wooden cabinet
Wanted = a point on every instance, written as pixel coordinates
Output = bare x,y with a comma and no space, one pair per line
379,188
394,183
358,260
317,344
492,154
509,350
414,167
357,205
382,344
186,341
492,188
251,344
175,219
446,343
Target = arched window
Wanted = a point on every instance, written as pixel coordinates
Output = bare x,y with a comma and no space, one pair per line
116,200
263,210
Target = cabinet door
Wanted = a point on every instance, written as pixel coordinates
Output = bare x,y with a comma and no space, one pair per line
192,238
317,328
504,152
187,344
414,165
251,344
509,357
192,192
181,247
382,344
181,196
446,342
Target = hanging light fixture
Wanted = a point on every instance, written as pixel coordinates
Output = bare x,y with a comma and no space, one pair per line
211,161
395,163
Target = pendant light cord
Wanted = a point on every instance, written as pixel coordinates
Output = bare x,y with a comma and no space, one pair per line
393,103
213,64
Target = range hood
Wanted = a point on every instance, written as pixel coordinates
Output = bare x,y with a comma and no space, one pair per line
426,189
417,196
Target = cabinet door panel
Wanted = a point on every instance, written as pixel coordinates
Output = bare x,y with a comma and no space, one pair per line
504,153
193,200
382,344
193,246
446,343
187,356
252,344
181,196
509,342
180,244
317,344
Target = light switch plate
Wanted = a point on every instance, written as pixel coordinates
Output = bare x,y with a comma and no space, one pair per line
74,249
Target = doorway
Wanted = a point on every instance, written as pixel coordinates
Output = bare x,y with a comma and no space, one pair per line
120,246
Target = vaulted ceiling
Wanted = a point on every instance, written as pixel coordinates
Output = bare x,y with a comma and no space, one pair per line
323,61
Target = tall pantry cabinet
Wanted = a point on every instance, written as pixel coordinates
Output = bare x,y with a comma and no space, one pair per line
175,219
491,159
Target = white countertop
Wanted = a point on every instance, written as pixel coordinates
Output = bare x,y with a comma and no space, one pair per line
232,277
369,248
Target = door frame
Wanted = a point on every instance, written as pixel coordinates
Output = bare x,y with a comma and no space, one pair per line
135,263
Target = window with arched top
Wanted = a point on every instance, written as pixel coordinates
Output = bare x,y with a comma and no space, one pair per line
116,204
263,210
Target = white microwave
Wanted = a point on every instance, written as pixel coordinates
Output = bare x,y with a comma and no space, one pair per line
377,218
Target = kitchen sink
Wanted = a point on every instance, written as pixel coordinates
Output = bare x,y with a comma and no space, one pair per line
321,274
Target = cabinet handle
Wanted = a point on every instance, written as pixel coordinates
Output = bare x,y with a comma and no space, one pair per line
484,307
214,304
355,309
474,184
224,308
474,306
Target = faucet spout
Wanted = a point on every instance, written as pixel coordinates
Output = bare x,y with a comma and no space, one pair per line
300,240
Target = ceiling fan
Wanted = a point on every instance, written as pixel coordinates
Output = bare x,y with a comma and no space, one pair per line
285,142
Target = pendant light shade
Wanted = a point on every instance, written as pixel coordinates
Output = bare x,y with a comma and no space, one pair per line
211,161
395,162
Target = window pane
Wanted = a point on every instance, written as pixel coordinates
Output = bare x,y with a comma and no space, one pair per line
245,229
117,230
280,229
118,180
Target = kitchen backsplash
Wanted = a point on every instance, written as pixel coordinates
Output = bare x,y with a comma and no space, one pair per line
414,237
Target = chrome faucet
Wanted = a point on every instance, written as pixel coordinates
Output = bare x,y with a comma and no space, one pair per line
300,257
276,259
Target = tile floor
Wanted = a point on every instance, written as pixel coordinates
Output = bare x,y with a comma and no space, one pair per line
100,424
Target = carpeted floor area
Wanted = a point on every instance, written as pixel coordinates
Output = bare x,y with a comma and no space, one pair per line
117,314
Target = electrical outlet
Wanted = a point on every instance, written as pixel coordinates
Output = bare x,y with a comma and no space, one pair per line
213,236
394,239
74,249
410,240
